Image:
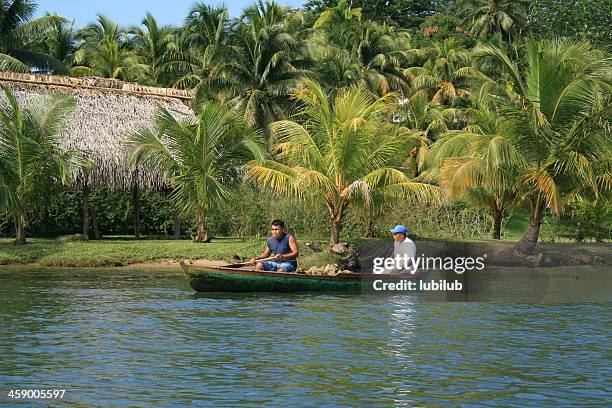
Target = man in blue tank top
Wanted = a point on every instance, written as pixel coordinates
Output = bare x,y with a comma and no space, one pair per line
282,245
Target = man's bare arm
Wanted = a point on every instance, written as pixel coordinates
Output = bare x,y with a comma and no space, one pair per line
294,250
265,254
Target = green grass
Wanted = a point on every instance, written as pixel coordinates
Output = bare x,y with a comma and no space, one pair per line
118,252
552,229
515,226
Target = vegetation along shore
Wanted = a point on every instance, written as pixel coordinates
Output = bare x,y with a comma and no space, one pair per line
123,251
465,120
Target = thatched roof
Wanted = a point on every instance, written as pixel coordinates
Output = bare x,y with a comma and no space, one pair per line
106,112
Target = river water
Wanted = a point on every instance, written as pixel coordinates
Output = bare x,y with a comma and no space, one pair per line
129,337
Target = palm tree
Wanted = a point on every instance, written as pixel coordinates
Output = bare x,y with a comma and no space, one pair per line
372,210
336,68
30,159
201,158
442,74
152,44
384,52
473,163
428,120
107,51
337,151
340,22
489,17
550,108
197,50
19,36
339,15
359,51
265,62
60,42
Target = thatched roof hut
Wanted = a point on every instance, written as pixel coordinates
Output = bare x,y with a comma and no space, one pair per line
106,112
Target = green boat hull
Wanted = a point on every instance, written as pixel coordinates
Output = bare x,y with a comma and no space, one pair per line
215,278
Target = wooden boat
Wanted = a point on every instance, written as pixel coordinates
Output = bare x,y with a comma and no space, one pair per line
210,276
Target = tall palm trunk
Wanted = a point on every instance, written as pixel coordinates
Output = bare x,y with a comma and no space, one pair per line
336,212
85,210
202,234
94,221
44,220
369,219
136,205
498,216
529,240
335,232
176,223
20,237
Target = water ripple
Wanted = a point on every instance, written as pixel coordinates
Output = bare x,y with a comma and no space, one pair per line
128,338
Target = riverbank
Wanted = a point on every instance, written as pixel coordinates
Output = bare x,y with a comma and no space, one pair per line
158,253
121,251
500,253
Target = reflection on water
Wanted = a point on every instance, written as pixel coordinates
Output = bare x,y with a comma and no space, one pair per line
142,338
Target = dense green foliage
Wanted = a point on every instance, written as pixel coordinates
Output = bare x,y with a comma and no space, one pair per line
200,158
19,37
31,162
400,13
587,20
339,151
541,143
247,214
503,104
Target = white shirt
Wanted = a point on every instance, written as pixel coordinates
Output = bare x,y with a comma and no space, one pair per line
406,247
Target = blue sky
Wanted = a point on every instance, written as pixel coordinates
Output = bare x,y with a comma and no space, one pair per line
130,12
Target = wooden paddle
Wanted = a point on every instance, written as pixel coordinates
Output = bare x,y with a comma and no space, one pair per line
241,264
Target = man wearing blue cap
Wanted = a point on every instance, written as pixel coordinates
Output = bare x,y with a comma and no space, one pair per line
403,248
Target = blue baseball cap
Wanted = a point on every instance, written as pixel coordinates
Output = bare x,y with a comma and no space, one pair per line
399,228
